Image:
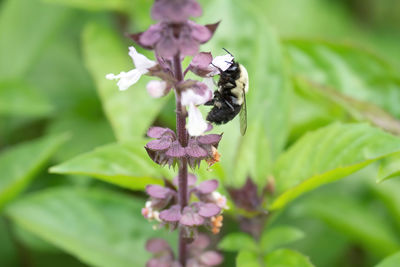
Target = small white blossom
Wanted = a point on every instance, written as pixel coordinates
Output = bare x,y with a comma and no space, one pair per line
127,79
220,200
196,124
156,89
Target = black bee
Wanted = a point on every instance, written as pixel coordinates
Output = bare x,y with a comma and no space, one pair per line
230,98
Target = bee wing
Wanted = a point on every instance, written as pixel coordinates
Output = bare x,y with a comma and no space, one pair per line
243,115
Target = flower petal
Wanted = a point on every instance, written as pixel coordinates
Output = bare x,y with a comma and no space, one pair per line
159,144
199,32
196,124
207,187
156,88
141,61
157,132
151,36
158,191
126,79
200,243
176,150
211,258
196,97
195,151
209,209
172,214
209,139
156,245
190,217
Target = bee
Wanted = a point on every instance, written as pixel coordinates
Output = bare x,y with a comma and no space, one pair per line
230,97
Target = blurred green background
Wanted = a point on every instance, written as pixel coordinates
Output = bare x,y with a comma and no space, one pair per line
311,63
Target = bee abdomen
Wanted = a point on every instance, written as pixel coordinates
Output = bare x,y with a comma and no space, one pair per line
223,114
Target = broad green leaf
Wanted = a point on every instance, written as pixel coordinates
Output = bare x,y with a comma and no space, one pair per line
355,220
247,259
327,155
343,105
279,236
19,164
86,134
237,242
96,5
19,99
25,28
350,70
391,261
256,46
132,111
126,165
389,168
8,251
286,258
101,228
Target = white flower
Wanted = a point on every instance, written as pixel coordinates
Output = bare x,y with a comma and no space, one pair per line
156,88
221,63
127,79
196,124
220,200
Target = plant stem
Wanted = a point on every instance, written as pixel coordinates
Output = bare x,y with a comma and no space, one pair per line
183,170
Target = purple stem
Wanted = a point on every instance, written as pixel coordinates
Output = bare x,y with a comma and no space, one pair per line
183,170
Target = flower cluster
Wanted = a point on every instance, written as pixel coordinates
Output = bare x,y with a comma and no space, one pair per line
188,205
198,256
207,211
166,149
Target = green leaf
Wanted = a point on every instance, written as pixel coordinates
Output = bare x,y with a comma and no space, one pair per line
247,259
19,164
350,70
389,168
101,228
327,155
130,112
286,258
96,5
355,220
237,242
279,236
388,192
25,27
126,165
18,98
391,261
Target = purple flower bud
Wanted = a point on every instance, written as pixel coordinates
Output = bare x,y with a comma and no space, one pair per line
246,197
175,10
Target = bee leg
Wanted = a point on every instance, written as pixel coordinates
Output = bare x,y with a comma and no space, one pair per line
229,105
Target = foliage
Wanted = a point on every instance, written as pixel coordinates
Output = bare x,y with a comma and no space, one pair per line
322,106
